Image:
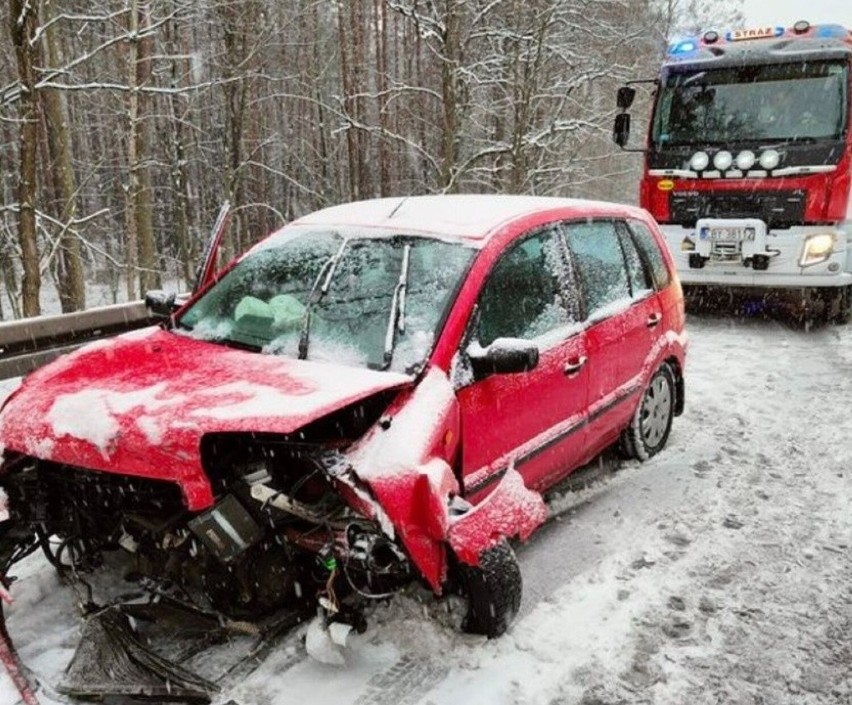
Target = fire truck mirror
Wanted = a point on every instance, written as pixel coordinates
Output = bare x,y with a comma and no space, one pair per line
621,129
625,97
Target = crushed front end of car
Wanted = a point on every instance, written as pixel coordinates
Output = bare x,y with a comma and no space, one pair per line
228,517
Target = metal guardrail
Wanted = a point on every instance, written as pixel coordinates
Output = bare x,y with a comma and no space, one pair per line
31,342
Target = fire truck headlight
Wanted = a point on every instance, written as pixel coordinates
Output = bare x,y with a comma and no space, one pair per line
745,160
700,161
723,160
818,248
769,159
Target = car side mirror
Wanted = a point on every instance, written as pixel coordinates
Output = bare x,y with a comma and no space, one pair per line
160,304
503,356
624,97
621,129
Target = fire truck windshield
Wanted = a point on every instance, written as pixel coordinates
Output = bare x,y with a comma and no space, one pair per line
805,101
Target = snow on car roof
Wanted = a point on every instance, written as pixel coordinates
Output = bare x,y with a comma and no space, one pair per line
469,216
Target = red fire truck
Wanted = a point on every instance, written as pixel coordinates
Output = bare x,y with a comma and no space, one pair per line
748,163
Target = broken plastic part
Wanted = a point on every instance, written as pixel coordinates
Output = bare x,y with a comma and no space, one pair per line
339,632
111,660
321,645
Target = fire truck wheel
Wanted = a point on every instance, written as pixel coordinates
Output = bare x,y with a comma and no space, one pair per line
651,424
843,312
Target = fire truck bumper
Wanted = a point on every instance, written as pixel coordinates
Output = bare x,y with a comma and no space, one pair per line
752,279
742,253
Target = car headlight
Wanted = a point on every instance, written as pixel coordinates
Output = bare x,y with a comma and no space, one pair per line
818,248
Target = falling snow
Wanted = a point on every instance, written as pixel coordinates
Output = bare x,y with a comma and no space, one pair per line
717,572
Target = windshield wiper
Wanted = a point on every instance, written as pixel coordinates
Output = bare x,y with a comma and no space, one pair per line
396,322
318,290
787,141
237,344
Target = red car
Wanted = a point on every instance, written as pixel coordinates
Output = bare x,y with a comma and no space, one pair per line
377,393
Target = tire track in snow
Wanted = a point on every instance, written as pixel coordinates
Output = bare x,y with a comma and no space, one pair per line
718,572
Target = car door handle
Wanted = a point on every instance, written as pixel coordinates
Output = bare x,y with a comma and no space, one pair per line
653,320
573,368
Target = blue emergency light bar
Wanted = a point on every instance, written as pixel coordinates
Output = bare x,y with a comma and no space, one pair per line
688,46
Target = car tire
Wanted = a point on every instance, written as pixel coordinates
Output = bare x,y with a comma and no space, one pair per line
652,422
493,591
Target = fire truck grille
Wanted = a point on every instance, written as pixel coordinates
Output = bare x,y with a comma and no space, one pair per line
778,209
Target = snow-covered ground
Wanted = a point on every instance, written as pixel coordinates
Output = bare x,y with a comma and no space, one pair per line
97,294
7,386
718,572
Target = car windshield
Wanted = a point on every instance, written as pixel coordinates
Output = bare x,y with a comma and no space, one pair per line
777,102
346,297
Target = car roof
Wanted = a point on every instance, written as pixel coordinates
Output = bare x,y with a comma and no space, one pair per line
456,216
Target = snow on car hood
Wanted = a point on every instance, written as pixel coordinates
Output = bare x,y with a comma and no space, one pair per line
139,404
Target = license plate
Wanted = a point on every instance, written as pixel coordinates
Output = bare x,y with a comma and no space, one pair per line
732,234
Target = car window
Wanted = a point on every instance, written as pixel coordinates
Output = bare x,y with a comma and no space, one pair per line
600,264
331,295
638,275
524,296
651,252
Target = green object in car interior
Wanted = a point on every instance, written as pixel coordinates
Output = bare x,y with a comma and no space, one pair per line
287,310
283,311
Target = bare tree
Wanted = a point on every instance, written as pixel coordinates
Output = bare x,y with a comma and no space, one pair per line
68,269
23,22
152,114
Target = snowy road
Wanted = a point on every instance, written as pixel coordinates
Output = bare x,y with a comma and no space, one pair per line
719,572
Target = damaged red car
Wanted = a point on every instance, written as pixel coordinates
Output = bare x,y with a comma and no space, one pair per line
376,394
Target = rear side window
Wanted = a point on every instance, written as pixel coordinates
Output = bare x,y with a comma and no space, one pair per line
600,264
524,297
651,253
637,273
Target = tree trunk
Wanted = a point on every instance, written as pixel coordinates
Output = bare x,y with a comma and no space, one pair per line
347,81
8,274
24,22
359,88
180,179
70,280
381,37
451,60
236,22
131,222
149,277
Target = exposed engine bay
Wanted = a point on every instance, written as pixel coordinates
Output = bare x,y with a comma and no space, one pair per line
280,532
221,532
280,545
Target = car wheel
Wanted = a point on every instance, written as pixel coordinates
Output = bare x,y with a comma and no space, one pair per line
493,591
651,424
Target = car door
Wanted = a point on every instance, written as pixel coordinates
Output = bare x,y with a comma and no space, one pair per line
601,272
534,420
642,321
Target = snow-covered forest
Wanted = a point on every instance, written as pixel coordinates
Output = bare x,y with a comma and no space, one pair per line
125,124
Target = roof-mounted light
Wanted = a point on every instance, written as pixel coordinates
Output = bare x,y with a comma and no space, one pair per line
700,161
711,36
831,31
684,46
745,160
723,160
769,159
801,27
